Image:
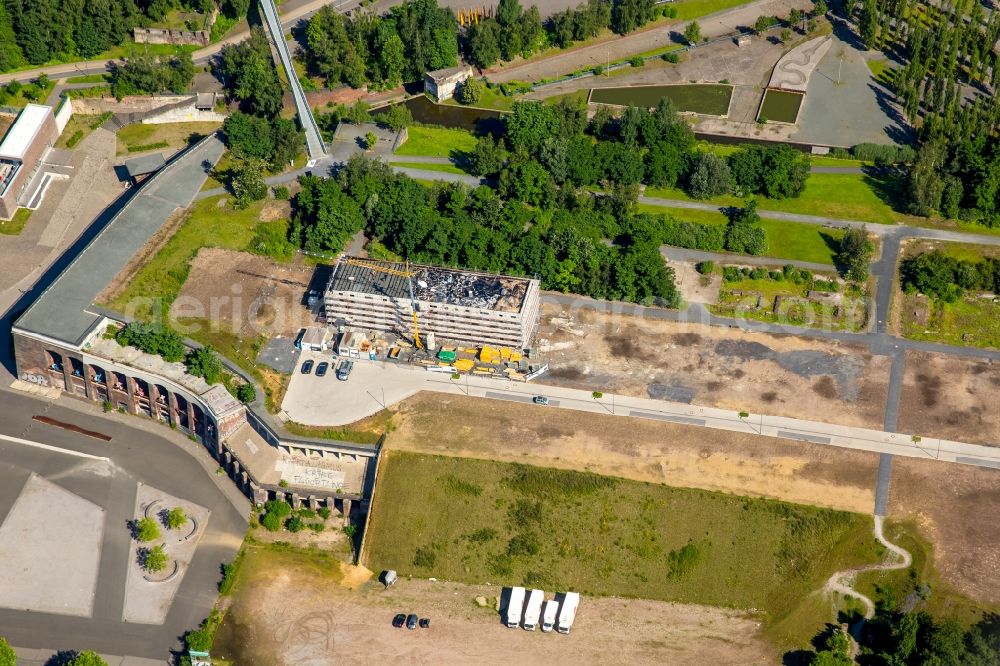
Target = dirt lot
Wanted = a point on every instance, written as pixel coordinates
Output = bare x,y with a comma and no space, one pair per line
246,293
950,397
955,506
715,367
638,449
296,615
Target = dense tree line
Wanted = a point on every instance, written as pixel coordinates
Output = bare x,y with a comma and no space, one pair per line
37,31
276,141
557,147
381,51
939,276
563,244
250,76
945,87
150,75
518,32
897,638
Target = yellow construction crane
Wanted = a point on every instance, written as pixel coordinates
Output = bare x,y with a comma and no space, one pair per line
408,274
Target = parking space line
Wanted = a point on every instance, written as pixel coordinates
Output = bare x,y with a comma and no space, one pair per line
55,449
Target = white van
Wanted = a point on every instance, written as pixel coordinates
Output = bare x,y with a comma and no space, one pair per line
533,610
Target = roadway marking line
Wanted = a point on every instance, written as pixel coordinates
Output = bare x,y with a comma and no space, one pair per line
816,439
981,462
666,417
47,447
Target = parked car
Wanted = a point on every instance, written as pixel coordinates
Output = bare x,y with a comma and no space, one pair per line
411,621
344,370
322,368
399,620
540,400
307,367
425,623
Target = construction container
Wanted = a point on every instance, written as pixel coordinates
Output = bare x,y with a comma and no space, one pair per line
464,364
447,355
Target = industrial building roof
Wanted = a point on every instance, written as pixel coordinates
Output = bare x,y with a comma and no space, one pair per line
63,312
20,135
431,284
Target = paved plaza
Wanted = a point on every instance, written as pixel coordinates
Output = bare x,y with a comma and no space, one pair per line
50,547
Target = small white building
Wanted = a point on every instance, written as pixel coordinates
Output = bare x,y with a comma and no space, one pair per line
314,338
442,83
743,40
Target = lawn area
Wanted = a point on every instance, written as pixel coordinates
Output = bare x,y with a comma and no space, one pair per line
689,9
786,240
840,195
15,225
142,138
437,142
78,128
707,98
89,78
443,168
491,99
206,225
475,520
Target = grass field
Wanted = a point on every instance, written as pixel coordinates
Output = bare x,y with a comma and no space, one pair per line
443,168
848,196
474,520
689,9
175,135
712,99
16,224
437,142
163,275
82,123
89,78
785,240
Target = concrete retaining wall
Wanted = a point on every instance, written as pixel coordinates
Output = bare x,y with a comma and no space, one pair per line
63,111
187,114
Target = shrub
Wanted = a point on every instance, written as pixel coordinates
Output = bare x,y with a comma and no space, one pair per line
75,139
148,146
705,267
482,535
280,508
281,193
307,513
147,530
683,560
672,58
294,524
271,522
107,406
525,543
350,530
370,140
282,483
246,393
152,339
758,273
324,513
228,576
731,274
316,527
597,395
471,91
637,61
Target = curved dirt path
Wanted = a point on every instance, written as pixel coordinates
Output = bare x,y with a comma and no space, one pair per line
842,581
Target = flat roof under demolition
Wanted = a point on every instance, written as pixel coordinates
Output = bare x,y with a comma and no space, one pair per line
431,284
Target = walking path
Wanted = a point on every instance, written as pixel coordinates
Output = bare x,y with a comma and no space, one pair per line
842,582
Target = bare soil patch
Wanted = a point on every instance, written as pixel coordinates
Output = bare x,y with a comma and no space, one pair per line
246,293
717,367
955,506
643,450
950,397
294,615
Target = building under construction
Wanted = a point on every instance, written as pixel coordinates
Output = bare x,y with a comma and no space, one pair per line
453,304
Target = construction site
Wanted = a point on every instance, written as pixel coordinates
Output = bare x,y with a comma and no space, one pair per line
428,304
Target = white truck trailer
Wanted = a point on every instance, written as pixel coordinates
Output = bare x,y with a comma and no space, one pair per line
549,612
533,610
515,605
568,612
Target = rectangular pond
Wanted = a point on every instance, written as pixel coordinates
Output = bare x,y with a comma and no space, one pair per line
426,112
780,106
711,99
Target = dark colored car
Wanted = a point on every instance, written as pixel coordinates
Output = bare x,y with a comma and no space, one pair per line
411,621
307,367
425,623
322,368
399,620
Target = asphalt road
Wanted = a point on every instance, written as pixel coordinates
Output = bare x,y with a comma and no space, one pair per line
140,451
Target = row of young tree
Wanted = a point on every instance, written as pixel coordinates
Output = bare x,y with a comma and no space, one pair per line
382,51
564,243
945,87
37,31
557,146
947,278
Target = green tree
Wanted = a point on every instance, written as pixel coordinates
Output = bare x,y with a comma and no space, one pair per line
471,91
925,184
527,181
530,125
392,57
692,33
176,518
203,362
250,75
763,24
795,17
86,658
397,117
710,177
7,655
152,339
147,530
743,234
246,180
370,140
324,217
488,157
248,135
155,559
868,25
628,15
855,254
483,43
